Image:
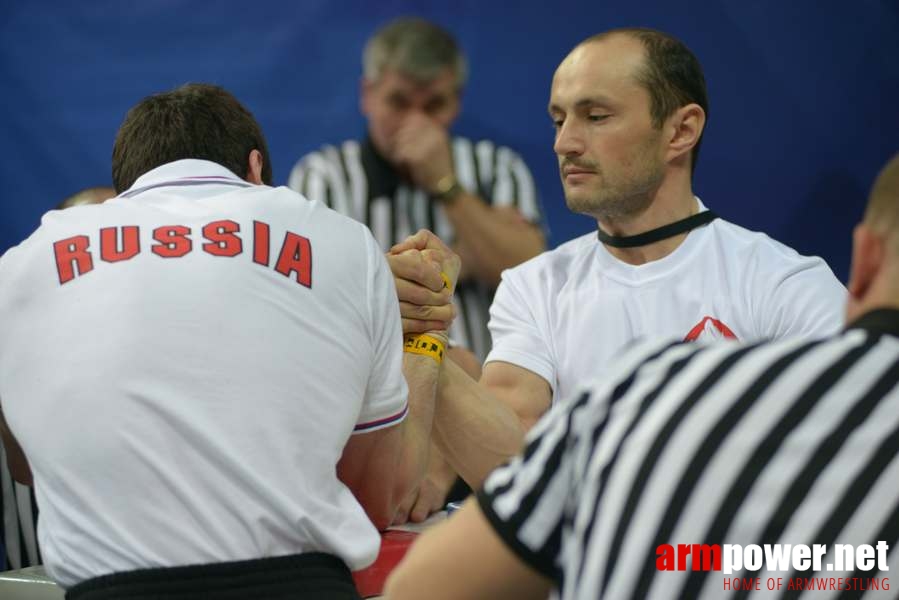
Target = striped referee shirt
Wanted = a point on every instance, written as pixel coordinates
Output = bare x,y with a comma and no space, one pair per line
356,181
790,442
18,510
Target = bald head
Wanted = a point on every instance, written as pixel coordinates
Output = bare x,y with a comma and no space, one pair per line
668,71
882,214
874,277
94,195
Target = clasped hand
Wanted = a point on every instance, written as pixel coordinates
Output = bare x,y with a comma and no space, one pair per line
426,301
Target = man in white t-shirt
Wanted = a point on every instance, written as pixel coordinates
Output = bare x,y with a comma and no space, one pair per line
205,374
629,108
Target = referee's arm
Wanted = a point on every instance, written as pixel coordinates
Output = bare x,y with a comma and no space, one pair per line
490,239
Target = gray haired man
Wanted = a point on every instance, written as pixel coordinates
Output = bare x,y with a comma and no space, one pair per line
410,173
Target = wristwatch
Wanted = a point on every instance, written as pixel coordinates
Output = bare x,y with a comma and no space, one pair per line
447,189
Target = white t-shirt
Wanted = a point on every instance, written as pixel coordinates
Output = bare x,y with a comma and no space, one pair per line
185,397
567,313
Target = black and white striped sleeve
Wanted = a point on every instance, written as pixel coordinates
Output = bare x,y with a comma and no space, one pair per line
320,176
529,499
18,521
502,175
511,495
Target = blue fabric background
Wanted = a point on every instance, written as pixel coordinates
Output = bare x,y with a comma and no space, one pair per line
803,93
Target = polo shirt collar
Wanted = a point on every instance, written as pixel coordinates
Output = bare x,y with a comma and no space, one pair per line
879,320
189,171
383,178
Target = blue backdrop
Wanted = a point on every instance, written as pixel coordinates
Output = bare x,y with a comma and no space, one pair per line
803,93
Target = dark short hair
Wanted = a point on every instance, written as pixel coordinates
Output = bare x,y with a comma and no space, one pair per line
195,120
671,74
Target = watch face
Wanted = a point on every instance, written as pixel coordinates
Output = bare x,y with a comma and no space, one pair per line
446,183
447,194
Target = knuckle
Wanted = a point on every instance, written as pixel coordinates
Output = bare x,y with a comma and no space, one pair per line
404,291
408,311
419,295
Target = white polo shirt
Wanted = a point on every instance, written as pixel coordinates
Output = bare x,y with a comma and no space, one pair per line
183,366
567,313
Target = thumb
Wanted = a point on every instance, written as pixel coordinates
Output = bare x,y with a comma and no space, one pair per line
420,240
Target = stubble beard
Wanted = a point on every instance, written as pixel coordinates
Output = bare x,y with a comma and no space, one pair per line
619,199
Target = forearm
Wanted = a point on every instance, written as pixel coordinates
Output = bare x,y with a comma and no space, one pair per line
440,471
491,239
15,457
421,374
431,494
472,428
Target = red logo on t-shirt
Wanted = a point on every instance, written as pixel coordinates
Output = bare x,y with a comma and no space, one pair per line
710,329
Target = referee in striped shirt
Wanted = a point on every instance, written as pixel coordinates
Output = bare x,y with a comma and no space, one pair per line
786,442
409,173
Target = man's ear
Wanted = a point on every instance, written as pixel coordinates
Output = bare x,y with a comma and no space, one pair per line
457,109
365,96
254,167
684,129
867,261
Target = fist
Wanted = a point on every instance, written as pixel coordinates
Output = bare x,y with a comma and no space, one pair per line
422,147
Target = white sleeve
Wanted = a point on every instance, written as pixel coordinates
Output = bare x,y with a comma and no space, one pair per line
386,395
806,301
518,327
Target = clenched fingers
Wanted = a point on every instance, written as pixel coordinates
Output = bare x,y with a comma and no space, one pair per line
413,293
412,266
445,313
421,240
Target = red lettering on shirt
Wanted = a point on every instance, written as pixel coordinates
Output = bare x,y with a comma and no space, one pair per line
122,243
110,251
173,241
71,254
222,241
296,257
261,243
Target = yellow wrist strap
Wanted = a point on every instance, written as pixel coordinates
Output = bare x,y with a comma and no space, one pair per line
424,344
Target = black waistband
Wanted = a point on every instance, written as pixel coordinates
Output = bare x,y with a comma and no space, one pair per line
296,576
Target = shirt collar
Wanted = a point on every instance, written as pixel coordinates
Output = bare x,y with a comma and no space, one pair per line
383,178
189,171
879,320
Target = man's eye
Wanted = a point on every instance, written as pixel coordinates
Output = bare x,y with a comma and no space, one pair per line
557,123
397,102
596,118
432,108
